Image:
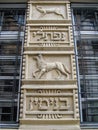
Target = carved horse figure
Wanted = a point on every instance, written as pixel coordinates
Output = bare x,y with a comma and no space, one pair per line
47,11
44,67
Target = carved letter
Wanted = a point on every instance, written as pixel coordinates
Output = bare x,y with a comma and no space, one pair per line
56,105
31,104
63,36
64,104
43,104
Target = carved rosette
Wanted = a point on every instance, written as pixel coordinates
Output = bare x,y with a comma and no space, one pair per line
49,86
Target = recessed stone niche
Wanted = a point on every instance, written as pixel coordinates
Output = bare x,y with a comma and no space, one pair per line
49,67
54,104
48,11
49,35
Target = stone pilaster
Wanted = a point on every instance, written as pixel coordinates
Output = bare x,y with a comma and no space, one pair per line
49,97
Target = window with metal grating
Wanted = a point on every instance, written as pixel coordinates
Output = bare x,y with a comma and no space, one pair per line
85,26
12,22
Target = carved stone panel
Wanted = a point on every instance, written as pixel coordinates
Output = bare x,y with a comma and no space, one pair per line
48,67
49,36
49,104
48,10
49,89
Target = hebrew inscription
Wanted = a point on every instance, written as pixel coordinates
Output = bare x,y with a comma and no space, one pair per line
52,36
49,35
49,104
43,104
48,92
44,67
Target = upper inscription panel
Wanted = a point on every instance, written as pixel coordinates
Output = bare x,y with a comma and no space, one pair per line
48,10
49,35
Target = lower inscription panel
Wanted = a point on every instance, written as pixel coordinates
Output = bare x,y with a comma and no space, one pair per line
49,103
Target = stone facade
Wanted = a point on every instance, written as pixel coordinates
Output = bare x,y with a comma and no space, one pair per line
49,97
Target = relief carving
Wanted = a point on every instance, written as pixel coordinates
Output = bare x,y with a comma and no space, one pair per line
49,104
44,67
44,11
50,36
46,104
64,104
56,104
50,116
43,104
31,104
44,91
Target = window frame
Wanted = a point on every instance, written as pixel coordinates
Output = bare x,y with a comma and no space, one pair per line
13,35
83,35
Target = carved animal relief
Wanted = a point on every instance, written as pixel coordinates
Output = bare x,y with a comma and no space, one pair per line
45,11
44,67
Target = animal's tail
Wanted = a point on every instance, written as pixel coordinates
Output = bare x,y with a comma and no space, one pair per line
58,12
62,16
66,69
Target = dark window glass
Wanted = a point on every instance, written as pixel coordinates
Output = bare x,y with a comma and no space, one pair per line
12,19
86,19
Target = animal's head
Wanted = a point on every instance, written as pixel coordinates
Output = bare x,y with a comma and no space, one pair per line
38,7
37,57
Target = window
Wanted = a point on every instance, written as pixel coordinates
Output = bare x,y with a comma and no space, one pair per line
12,22
85,26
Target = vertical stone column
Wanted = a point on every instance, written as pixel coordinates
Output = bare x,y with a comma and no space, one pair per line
49,97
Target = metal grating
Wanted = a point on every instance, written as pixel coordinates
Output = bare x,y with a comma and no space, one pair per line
11,38
86,19
11,19
85,24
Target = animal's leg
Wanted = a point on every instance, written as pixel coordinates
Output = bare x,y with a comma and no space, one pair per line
59,13
42,15
67,76
41,73
33,74
59,74
63,69
64,73
66,70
